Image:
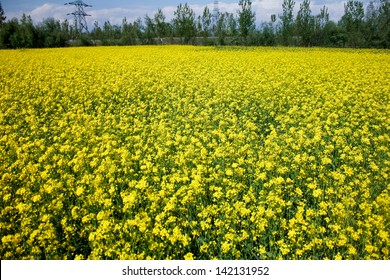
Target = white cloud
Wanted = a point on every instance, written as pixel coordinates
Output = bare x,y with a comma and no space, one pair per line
169,12
265,8
198,9
49,10
226,7
335,8
116,15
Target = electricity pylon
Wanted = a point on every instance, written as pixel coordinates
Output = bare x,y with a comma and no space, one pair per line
79,15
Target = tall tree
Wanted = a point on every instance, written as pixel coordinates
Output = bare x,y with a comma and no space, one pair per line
246,19
352,21
287,18
65,29
53,37
96,32
371,31
107,32
150,30
184,22
128,36
7,32
384,22
321,26
221,29
206,21
232,25
27,34
162,28
305,23
2,16
323,17
138,28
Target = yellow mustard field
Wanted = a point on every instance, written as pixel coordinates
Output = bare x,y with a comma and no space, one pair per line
179,152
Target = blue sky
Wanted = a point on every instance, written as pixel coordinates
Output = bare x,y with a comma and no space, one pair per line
116,10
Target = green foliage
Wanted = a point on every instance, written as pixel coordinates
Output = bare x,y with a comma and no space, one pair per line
54,37
353,23
184,22
359,27
162,28
384,23
205,23
321,23
131,33
305,23
246,18
287,24
150,30
2,16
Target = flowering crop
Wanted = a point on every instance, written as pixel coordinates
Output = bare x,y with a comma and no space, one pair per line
192,152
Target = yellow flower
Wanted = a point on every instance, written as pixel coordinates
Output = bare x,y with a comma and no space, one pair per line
312,186
351,250
79,191
317,193
189,256
342,240
298,191
326,160
225,247
79,257
204,248
178,150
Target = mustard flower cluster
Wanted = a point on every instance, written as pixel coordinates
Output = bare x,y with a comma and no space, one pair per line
177,152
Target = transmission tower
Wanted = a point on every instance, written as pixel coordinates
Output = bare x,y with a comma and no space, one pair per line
79,15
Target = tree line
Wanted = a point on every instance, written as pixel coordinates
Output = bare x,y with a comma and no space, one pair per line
359,27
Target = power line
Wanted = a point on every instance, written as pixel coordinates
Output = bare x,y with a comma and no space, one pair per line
79,15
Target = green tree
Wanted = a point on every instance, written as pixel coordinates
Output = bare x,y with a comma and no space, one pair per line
232,25
287,21
127,37
384,22
20,34
371,30
150,30
323,17
96,33
131,32
51,32
27,33
268,35
138,29
65,30
162,28
305,23
184,22
221,28
246,19
111,33
107,33
2,16
321,23
352,21
117,32
6,32
206,21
